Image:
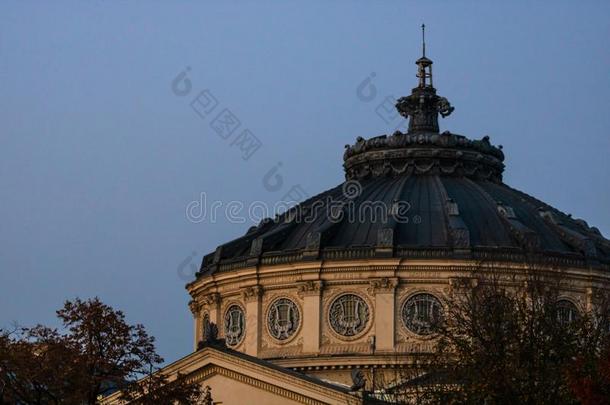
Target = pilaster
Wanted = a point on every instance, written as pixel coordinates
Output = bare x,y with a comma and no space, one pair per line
211,303
311,292
252,297
383,290
195,308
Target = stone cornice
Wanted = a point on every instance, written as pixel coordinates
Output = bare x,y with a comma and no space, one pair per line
367,255
411,270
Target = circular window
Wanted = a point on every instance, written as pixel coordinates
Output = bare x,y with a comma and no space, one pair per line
283,318
348,315
421,314
566,312
235,325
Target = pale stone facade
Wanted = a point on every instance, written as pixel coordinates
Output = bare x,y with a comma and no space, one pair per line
384,285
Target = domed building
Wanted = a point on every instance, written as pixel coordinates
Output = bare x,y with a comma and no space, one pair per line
357,274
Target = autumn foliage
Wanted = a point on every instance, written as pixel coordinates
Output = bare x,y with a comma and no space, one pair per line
96,352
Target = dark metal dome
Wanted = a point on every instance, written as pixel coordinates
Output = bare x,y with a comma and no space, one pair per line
421,194
446,216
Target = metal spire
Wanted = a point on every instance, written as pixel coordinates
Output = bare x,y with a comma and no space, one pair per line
423,39
423,105
424,64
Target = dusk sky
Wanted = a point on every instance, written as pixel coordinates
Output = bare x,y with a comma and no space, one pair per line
101,154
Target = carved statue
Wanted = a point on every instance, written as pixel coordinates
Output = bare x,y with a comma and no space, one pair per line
210,332
444,107
358,380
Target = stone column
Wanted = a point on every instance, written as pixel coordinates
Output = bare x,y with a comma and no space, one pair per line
384,290
311,292
195,308
592,298
254,317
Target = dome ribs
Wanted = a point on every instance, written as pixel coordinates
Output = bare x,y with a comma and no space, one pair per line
446,216
458,233
351,231
578,241
432,229
442,216
573,235
526,209
523,235
299,238
485,226
373,229
388,234
270,239
322,229
408,232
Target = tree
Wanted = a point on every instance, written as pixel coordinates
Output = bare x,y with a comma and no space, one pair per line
507,339
97,353
589,374
36,366
515,340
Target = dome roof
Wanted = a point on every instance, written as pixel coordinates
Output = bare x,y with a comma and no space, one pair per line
443,215
421,194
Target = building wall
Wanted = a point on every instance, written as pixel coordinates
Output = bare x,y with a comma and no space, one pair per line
228,391
384,285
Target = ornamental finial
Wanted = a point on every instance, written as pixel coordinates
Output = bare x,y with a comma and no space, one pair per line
423,105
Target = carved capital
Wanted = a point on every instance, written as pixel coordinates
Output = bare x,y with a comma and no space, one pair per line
195,308
252,293
312,287
382,285
594,296
211,299
462,284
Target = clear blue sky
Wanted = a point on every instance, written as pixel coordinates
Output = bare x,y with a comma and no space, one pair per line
99,158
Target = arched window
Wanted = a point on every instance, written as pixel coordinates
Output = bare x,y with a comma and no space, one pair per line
566,312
